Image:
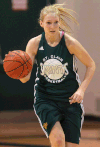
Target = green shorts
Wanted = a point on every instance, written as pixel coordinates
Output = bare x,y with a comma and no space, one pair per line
70,116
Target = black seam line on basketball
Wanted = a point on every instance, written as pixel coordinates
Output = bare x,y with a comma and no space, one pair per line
26,65
15,68
28,59
13,60
25,62
17,61
18,55
21,72
22,58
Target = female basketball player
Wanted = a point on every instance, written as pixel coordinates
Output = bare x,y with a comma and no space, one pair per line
58,91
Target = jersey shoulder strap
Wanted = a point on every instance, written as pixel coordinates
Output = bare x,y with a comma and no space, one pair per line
61,33
62,38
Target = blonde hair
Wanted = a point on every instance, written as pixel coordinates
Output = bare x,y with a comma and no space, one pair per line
63,13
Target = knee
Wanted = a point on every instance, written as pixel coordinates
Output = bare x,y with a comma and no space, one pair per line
59,140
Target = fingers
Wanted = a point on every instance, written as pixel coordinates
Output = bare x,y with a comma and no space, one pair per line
8,53
75,98
73,101
79,101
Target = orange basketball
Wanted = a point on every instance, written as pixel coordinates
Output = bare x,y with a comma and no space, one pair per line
17,64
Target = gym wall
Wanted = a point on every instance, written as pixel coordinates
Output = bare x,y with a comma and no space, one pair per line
88,34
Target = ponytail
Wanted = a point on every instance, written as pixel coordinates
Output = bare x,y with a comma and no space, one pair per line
63,13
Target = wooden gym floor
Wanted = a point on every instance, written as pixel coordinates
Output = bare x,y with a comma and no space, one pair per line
22,129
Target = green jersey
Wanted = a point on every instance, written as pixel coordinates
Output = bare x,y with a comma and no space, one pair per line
56,76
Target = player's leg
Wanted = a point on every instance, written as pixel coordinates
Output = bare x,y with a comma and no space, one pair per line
72,124
57,137
68,144
49,117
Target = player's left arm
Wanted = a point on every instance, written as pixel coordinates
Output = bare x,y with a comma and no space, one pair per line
78,50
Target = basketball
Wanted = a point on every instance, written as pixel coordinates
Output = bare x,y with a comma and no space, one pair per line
17,64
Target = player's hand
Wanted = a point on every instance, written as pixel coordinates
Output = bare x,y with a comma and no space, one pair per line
77,97
7,54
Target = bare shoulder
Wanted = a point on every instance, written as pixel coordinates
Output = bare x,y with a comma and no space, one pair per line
76,48
32,45
70,42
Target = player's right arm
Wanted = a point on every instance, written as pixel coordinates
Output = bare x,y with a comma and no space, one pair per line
31,50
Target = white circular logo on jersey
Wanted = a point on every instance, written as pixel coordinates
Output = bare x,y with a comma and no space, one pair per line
53,69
